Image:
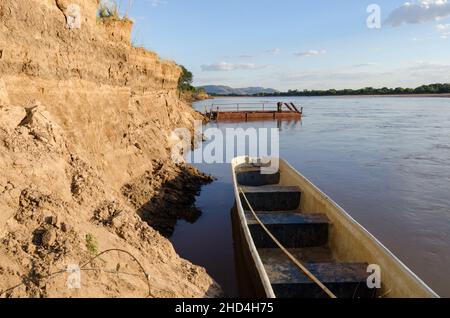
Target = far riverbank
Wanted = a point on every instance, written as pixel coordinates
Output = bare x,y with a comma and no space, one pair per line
346,96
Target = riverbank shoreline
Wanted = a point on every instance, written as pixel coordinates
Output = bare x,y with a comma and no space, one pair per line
343,96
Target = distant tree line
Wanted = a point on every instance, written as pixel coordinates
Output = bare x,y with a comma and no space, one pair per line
424,89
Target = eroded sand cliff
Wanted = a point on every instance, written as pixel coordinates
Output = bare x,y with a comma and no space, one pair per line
85,121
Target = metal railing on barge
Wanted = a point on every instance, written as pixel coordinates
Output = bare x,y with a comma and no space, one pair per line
248,110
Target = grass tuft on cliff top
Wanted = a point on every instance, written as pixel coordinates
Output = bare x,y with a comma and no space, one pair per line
108,10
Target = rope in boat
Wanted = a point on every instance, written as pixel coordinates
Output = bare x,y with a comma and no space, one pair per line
289,254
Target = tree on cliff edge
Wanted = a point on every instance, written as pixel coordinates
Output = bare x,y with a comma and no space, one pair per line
185,81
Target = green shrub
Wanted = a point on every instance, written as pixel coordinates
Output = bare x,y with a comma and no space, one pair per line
91,243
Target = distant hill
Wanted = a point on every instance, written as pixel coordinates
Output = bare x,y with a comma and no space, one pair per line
226,90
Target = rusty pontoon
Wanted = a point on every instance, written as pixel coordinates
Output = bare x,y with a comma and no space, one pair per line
253,111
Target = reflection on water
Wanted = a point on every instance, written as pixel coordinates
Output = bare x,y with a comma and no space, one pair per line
384,160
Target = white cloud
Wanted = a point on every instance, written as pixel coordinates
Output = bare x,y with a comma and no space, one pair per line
322,76
226,67
157,3
423,67
419,12
444,30
274,51
365,64
311,53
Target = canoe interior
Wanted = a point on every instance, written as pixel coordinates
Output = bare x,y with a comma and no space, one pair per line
333,246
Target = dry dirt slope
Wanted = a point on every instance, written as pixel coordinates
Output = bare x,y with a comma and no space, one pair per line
85,121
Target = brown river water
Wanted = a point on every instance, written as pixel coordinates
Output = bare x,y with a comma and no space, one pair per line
385,160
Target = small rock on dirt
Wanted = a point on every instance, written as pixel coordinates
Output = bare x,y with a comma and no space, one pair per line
49,237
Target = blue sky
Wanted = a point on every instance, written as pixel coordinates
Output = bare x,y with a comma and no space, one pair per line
299,44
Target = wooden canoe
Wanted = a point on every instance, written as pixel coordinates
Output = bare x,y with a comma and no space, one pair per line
325,239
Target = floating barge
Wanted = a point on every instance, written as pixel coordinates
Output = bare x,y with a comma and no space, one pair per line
296,242
253,111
